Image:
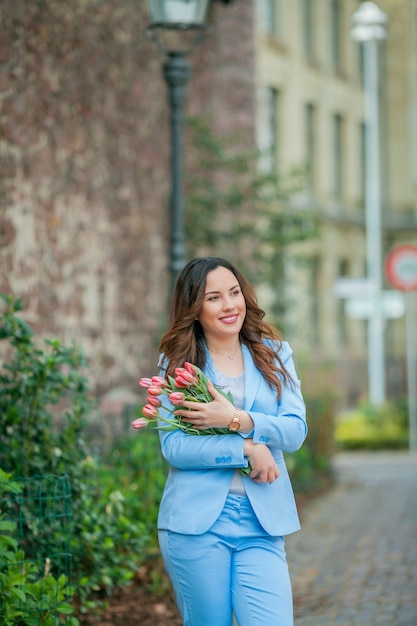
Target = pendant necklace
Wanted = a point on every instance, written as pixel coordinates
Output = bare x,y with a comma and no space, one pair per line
231,357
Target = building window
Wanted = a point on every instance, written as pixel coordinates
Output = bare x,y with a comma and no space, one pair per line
308,34
343,272
270,17
310,140
361,61
337,157
268,128
336,33
315,269
362,164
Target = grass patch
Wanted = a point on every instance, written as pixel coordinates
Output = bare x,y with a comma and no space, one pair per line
372,428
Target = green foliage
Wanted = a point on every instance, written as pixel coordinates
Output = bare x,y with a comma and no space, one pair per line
135,469
310,467
44,402
372,428
30,594
113,546
37,388
41,508
248,220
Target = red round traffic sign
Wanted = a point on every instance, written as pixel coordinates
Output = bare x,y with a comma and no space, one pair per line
401,267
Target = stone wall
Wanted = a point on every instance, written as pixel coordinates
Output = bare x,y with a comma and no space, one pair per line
85,177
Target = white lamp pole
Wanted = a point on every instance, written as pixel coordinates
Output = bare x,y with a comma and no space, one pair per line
369,28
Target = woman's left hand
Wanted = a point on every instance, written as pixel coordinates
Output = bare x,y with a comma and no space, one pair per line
215,414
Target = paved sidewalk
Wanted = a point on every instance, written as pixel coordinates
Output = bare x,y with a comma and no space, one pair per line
354,563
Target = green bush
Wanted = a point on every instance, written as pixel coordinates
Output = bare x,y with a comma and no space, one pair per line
38,388
30,594
135,469
310,467
44,404
372,428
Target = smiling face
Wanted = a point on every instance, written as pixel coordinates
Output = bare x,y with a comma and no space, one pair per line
224,307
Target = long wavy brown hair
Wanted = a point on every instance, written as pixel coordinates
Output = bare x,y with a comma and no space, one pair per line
184,339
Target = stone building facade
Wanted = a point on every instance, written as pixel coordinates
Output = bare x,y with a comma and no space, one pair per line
85,173
310,113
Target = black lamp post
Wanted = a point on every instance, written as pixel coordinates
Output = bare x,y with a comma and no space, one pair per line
177,15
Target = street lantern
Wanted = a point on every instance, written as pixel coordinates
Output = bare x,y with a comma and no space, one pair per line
369,28
369,23
176,15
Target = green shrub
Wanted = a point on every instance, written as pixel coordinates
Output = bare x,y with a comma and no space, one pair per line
371,427
135,469
44,404
38,388
30,594
310,467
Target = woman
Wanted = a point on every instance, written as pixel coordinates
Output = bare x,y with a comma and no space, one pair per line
222,534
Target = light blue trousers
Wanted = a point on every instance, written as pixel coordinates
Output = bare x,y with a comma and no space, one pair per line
235,567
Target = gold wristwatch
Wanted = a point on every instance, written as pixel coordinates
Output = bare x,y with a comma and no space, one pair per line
234,423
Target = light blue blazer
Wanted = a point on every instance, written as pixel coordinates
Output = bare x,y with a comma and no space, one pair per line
201,467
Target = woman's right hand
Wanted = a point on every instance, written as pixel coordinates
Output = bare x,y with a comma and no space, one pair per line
264,468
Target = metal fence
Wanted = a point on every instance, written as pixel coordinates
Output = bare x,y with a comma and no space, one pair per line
37,572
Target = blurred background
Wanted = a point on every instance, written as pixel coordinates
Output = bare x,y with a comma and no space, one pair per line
280,134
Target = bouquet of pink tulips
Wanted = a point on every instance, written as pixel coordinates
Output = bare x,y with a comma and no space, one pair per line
189,384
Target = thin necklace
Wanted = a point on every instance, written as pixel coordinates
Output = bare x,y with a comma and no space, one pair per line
228,356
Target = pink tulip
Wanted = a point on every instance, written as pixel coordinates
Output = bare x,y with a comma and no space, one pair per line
184,378
176,397
145,382
154,401
140,423
190,368
159,381
181,383
154,390
150,411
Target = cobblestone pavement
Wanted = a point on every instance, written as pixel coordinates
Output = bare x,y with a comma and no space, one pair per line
354,563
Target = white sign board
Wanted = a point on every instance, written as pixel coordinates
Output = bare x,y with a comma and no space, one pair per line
352,287
392,303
